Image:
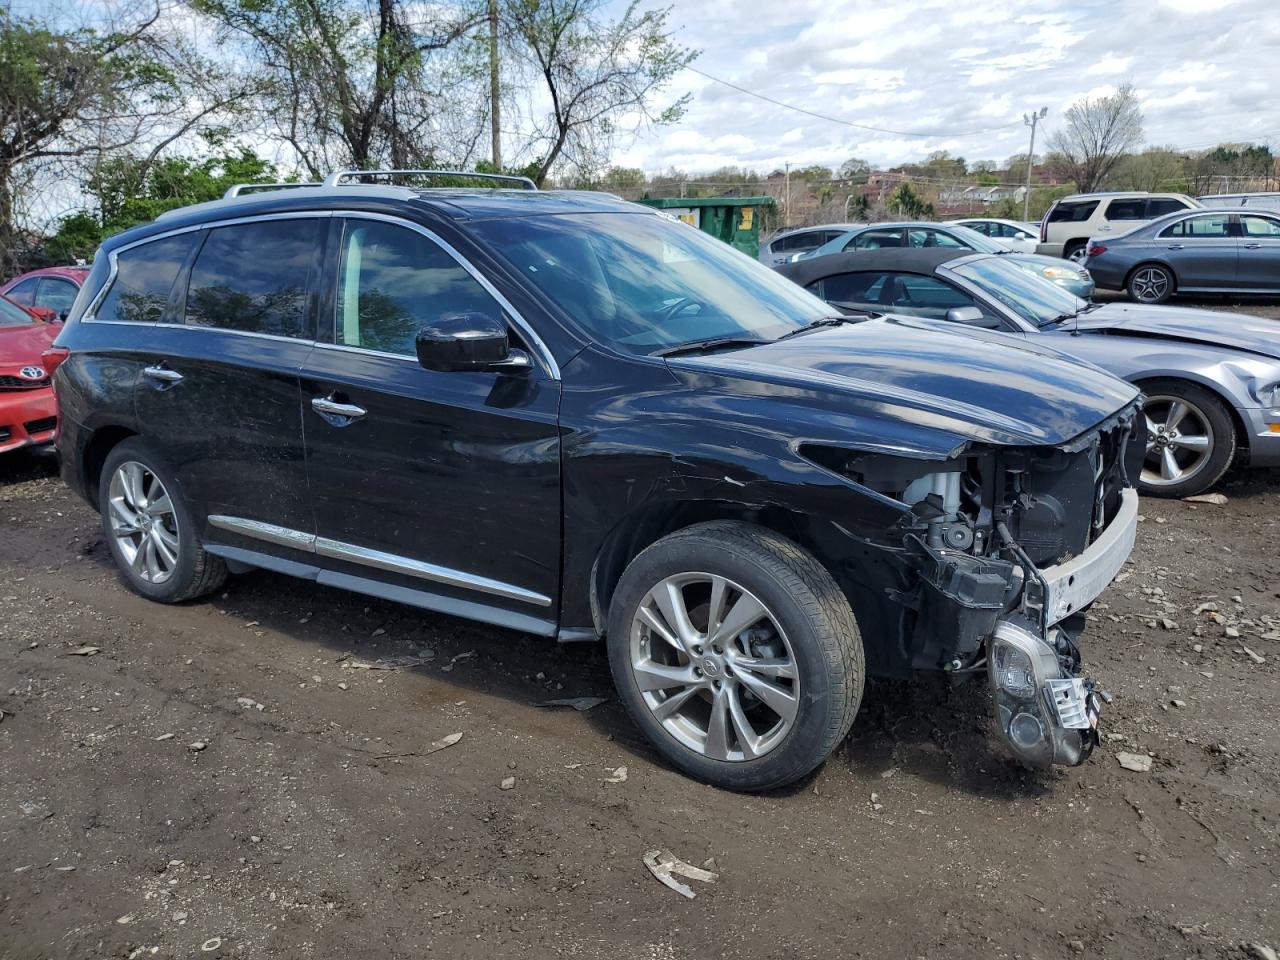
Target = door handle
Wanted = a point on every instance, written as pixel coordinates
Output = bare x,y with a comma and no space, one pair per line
1175,246
162,374
1252,246
338,414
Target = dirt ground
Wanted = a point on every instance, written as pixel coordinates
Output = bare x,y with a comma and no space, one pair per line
313,821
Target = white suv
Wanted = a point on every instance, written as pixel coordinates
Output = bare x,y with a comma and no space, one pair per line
1071,221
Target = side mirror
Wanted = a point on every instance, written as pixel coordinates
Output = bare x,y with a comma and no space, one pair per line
468,341
972,317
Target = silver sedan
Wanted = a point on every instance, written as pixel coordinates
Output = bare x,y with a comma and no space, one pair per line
1201,251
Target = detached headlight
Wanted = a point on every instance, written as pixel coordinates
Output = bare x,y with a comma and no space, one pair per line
1042,714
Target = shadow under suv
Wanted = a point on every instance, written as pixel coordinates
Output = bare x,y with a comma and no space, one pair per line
573,416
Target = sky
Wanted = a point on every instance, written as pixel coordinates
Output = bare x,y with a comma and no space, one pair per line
962,71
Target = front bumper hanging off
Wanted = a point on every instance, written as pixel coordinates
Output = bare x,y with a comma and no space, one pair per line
1045,713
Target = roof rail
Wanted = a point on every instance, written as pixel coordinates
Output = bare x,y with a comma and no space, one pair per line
241,188
335,179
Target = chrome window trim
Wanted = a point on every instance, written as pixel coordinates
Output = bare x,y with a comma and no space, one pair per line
378,559
540,348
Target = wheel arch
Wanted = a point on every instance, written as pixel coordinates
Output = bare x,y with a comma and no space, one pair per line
97,448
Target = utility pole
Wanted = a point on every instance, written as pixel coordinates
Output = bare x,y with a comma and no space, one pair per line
786,203
495,122
1031,119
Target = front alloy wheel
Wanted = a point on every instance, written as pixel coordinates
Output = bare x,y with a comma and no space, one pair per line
736,653
143,523
714,667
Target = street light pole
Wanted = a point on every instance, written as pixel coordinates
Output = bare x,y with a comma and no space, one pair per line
786,207
1031,119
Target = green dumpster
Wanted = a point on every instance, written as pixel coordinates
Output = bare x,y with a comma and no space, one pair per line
735,220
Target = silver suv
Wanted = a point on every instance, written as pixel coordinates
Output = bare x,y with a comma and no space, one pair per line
1071,221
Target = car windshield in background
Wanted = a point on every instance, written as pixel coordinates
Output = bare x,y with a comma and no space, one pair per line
11,316
643,282
1035,300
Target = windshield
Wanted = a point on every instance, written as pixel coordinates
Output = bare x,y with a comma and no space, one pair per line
12,316
644,282
1031,297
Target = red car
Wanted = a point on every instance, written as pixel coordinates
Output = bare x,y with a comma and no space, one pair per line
28,410
53,288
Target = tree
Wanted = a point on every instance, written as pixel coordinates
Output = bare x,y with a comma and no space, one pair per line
906,202
354,84
1154,169
598,75
1097,133
127,190
70,95
855,168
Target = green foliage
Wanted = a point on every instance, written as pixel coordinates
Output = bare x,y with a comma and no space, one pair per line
906,202
128,191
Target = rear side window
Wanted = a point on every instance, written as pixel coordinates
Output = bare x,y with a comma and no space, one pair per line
1073,212
1259,226
252,277
392,281
1127,210
799,242
1213,225
144,280
850,289
875,240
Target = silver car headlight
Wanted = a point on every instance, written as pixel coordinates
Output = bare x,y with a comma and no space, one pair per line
1061,273
1269,395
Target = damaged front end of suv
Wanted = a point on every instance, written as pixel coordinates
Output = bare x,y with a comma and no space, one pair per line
998,551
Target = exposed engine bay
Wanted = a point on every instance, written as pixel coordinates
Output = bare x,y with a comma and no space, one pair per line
1008,547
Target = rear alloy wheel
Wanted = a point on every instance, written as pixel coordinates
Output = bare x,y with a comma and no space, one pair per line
736,653
1190,440
1076,252
149,529
1151,284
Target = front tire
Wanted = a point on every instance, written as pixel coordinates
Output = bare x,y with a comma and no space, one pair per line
736,653
1150,283
149,528
1191,439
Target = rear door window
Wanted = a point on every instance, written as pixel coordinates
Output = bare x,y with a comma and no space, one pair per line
875,240
253,278
851,289
1208,226
394,280
1162,206
1076,212
56,294
144,279
1127,210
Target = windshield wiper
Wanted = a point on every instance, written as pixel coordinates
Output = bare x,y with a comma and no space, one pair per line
714,343
819,324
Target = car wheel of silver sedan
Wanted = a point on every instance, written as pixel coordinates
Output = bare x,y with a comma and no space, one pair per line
736,653
1151,283
1190,439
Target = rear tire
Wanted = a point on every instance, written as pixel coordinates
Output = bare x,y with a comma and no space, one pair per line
763,700
149,528
1151,283
1191,439
1074,251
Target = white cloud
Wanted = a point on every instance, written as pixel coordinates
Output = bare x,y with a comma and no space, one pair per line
964,73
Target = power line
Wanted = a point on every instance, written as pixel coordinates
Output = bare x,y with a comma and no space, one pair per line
849,123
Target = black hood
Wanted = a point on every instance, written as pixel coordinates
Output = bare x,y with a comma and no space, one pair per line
921,388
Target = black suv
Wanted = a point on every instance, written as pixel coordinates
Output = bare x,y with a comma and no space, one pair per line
576,417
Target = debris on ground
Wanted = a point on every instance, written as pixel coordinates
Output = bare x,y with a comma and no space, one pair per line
619,775
663,864
197,746
1256,658
249,704
85,651
508,783
581,704
1137,762
443,742
1217,499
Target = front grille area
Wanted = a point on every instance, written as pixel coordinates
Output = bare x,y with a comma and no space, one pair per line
42,425
18,383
